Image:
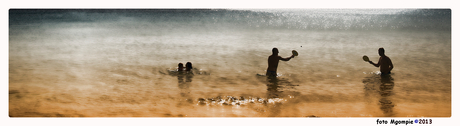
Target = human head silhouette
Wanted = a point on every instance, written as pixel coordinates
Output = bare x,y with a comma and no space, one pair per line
381,51
188,66
275,51
180,67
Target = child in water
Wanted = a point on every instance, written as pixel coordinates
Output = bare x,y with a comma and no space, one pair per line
188,66
180,67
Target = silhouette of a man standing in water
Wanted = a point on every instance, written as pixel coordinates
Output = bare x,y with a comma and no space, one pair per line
273,61
384,63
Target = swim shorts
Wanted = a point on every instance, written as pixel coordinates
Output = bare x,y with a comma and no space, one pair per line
271,73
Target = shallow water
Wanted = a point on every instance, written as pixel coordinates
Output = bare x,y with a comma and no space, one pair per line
118,64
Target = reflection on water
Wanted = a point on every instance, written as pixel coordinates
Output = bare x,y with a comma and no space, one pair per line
275,87
386,88
273,91
184,86
382,85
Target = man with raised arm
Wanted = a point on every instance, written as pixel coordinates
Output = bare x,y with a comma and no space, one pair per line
273,61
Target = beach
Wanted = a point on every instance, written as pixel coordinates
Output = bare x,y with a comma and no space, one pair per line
121,63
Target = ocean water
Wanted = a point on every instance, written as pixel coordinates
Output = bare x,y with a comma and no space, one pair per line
121,63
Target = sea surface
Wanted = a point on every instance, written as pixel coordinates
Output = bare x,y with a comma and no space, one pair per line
122,63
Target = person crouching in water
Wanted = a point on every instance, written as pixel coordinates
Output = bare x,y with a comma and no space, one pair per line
188,67
180,67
